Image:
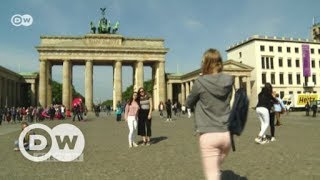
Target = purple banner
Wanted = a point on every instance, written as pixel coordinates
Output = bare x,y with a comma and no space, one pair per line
306,60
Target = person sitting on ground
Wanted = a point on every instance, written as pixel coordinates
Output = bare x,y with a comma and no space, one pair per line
25,140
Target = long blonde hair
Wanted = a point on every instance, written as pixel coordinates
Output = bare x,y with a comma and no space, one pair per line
211,62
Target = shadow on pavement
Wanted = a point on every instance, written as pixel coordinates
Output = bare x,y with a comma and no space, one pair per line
155,140
230,175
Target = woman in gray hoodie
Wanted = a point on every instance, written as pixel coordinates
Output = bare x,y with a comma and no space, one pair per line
211,94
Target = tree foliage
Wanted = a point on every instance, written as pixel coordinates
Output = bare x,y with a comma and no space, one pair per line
57,93
148,86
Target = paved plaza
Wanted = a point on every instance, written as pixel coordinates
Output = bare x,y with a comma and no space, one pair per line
174,153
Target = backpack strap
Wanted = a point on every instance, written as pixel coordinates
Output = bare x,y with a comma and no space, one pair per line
232,142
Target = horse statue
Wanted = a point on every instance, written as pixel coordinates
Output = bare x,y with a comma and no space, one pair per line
115,27
108,27
102,29
93,28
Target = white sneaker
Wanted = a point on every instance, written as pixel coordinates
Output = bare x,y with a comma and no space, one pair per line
273,139
257,140
130,145
134,144
167,120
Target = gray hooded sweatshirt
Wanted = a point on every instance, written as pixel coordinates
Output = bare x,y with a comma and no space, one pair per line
211,95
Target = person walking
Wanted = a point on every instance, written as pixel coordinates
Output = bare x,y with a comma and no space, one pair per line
211,94
265,102
307,107
279,108
118,112
144,116
130,116
169,110
161,107
314,108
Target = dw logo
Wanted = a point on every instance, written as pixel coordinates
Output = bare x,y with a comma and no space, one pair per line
24,20
67,142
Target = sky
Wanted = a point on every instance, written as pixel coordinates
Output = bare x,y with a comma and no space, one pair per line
189,27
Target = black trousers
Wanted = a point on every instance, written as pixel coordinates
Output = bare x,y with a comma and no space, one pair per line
169,113
272,115
144,124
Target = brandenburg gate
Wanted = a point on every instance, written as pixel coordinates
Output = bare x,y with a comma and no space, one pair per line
103,50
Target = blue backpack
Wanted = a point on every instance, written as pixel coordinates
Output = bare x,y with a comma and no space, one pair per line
238,115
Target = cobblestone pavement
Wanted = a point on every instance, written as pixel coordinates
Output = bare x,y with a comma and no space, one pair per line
174,153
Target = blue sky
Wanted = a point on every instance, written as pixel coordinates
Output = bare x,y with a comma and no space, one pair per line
189,27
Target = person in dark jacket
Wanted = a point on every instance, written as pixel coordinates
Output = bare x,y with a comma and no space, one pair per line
265,102
211,94
169,110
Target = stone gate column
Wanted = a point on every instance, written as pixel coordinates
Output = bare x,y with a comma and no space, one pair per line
191,84
248,86
169,91
66,84
33,93
117,83
161,82
49,83
183,94
14,94
237,82
155,74
4,93
89,84
43,84
71,84
187,89
139,75
1,91
18,94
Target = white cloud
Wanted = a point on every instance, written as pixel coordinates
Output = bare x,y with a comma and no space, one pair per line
193,24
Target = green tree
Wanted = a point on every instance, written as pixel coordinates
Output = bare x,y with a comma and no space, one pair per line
126,95
148,86
57,93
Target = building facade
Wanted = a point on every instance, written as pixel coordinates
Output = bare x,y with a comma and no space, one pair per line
15,88
291,65
180,85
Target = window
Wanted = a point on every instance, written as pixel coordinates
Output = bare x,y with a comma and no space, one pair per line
281,62
298,79
289,62
264,78
261,48
271,62
313,63
290,78
290,92
271,48
299,92
273,81
296,50
312,51
314,79
318,51
281,78
262,63
240,54
314,92
267,62
279,49
319,63
297,63
281,94
288,50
